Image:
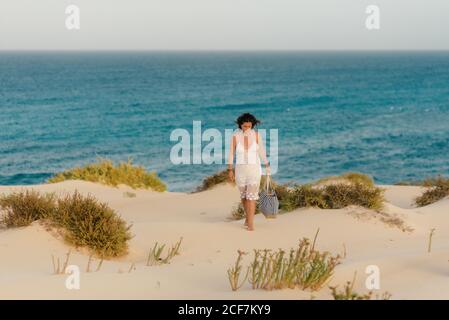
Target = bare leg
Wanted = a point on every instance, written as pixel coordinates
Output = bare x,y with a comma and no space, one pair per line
251,207
245,209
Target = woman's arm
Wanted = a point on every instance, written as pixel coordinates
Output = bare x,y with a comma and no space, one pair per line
262,152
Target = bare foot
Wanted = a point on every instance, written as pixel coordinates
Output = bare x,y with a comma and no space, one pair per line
250,228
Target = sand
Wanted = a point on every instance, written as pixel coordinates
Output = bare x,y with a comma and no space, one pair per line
211,241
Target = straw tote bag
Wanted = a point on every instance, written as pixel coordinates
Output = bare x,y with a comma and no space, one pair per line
268,200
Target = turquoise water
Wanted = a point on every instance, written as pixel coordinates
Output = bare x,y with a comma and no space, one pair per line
385,114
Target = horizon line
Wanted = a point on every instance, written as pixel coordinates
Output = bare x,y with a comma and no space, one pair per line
223,50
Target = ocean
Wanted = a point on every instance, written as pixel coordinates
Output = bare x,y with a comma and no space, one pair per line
385,114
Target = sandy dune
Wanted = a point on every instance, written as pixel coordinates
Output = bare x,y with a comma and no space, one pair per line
211,241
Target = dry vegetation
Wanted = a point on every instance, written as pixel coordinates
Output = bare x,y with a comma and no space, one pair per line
213,180
438,188
20,209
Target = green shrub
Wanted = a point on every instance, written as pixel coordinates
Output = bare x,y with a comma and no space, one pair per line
308,196
438,189
213,180
357,177
83,221
105,172
352,177
86,222
24,207
358,190
338,196
283,193
335,196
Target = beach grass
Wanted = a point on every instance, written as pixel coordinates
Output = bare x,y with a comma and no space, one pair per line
235,273
57,267
348,292
155,254
82,220
104,171
303,267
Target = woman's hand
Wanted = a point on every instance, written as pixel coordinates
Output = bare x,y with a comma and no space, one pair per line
231,175
268,170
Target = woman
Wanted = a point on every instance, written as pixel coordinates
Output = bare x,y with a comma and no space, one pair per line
248,147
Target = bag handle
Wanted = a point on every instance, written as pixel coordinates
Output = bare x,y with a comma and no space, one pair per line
268,183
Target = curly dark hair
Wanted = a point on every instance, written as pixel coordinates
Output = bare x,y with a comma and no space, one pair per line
247,117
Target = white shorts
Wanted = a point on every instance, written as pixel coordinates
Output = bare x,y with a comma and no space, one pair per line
247,178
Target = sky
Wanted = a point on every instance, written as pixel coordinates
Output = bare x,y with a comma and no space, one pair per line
224,25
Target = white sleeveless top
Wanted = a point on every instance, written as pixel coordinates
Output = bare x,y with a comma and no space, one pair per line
250,155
